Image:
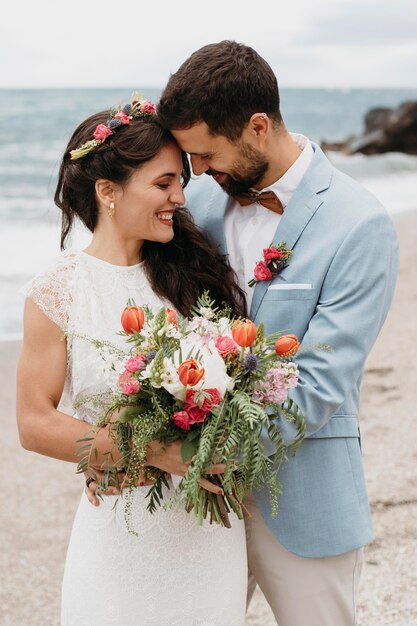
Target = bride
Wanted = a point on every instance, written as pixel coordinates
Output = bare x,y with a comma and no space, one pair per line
122,175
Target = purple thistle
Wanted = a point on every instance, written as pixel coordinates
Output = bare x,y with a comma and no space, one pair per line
127,108
114,124
250,363
150,356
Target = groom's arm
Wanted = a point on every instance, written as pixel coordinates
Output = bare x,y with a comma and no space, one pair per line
353,304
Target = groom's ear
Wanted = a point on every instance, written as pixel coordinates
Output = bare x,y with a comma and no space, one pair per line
105,191
257,129
258,126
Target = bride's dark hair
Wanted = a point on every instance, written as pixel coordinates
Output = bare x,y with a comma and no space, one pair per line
179,270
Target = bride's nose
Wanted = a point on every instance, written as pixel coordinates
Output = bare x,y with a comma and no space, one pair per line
177,196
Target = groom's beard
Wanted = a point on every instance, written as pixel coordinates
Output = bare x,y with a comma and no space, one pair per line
247,171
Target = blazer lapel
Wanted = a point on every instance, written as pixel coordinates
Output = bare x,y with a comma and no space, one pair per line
298,212
214,223
207,202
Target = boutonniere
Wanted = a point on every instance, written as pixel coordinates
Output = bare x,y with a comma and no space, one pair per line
275,259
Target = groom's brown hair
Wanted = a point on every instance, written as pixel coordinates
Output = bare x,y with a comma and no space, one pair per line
222,84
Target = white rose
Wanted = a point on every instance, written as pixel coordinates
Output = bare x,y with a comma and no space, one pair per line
215,374
171,381
225,329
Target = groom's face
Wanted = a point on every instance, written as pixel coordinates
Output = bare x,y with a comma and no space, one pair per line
235,166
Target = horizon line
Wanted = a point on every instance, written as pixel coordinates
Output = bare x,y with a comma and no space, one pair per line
149,88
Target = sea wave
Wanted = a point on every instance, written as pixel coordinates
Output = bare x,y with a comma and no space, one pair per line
27,249
361,166
397,192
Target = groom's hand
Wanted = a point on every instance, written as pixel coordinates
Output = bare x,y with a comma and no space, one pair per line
168,458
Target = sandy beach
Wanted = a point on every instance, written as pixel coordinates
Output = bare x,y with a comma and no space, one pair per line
39,495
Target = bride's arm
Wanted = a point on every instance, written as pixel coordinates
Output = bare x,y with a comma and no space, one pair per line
40,381
44,429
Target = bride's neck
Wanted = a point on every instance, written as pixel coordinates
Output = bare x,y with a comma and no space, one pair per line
114,249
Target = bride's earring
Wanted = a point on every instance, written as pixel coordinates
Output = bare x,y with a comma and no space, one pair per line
111,210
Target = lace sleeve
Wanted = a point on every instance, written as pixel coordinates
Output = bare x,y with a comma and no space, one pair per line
52,290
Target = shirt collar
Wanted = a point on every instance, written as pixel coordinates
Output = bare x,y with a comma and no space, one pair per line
285,186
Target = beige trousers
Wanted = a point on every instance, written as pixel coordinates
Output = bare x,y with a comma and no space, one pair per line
301,591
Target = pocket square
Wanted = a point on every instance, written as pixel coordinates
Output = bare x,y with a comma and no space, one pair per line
290,286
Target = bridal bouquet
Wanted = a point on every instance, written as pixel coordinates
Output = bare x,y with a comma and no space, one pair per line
212,381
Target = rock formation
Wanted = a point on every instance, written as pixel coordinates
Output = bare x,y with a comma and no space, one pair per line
386,130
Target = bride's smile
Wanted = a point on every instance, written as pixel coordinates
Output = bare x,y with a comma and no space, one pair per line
142,208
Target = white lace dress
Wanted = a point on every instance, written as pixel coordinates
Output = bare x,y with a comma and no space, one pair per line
175,572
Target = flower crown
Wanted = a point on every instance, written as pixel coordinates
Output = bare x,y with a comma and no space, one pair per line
118,117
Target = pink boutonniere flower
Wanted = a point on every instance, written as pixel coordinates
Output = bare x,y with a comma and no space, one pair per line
274,261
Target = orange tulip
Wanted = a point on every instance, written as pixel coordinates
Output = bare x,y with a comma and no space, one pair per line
189,373
287,345
244,333
133,318
171,317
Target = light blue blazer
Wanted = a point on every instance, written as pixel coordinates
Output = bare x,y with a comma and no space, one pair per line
340,282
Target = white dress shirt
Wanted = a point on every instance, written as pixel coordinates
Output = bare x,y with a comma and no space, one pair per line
250,229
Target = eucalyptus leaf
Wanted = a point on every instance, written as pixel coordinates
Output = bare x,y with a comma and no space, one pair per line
188,449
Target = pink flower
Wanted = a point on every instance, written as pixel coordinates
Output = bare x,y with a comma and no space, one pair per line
196,413
129,383
122,117
278,396
182,419
208,403
273,389
225,346
272,253
215,397
292,381
147,107
135,363
262,272
276,375
275,260
102,132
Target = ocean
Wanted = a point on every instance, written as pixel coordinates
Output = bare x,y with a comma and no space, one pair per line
35,127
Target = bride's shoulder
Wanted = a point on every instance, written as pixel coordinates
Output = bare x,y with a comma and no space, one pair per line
60,271
52,289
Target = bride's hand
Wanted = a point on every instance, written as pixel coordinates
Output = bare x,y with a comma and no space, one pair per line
168,458
91,488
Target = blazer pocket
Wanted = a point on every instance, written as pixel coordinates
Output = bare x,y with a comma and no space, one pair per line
289,292
287,286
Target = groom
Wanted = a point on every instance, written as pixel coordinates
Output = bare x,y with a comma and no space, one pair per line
222,106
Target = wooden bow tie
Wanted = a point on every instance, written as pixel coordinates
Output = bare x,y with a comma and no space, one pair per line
268,199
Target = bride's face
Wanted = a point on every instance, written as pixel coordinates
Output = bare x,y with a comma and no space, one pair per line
146,204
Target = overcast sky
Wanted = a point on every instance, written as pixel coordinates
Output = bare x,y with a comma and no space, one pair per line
138,43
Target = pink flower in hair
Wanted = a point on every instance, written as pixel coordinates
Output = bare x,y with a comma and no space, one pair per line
122,117
102,132
147,107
